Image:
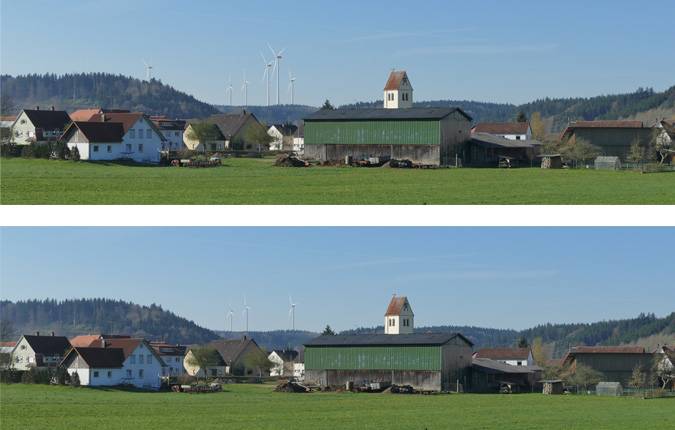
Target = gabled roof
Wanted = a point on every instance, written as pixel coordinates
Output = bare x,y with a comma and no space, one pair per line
502,127
163,348
162,123
217,131
487,365
99,132
503,353
84,114
286,355
97,358
84,340
48,345
285,129
609,350
394,81
396,305
231,124
608,124
128,346
386,339
232,349
47,119
127,119
300,357
487,140
384,114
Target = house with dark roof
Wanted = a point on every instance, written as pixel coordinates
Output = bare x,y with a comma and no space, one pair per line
614,138
507,130
120,360
428,361
234,126
217,142
36,125
218,369
490,374
616,363
172,130
299,365
490,149
283,136
172,355
234,352
283,360
665,140
666,366
116,136
39,351
512,356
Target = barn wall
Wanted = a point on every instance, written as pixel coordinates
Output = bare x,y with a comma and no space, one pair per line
455,132
397,357
401,132
456,360
616,367
421,380
614,141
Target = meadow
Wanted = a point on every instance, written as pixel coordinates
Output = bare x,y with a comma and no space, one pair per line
256,181
248,406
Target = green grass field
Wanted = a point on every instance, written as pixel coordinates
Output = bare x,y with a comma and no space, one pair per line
258,407
256,181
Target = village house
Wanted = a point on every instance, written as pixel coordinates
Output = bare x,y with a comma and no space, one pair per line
172,130
507,130
512,356
665,139
234,126
234,353
283,360
116,136
665,366
490,374
486,148
173,357
125,361
35,351
299,366
219,369
299,139
430,136
219,143
283,136
35,125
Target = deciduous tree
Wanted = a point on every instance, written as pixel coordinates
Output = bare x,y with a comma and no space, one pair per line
539,352
204,358
203,132
259,359
258,133
636,155
537,126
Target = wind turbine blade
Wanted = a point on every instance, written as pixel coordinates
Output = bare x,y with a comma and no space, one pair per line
268,44
146,64
263,57
289,87
264,75
274,68
290,312
279,54
290,299
289,74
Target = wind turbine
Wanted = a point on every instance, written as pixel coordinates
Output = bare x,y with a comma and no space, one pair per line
230,314
229,89
244,88
246,309
149,67
292,311
291,86
266,74
277,58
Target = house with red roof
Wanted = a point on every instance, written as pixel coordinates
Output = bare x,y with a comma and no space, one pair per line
512,356
507,130
116,136
172,355
116,361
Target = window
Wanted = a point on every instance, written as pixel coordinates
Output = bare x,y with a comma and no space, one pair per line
148,134
95,374
31,133
175,133
128,147
132,359
18,359
23,121
517,137
520,363
214,147
176,359
23,347
140,147
149,359
140,373
132,133
129,373
109,148
167,134
95,148
109,375
140,359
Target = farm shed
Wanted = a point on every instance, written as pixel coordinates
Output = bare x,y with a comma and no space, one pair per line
607,163
552,387
616,363
426,361
488,374
551,161
486,148
612,137
609,389
433,136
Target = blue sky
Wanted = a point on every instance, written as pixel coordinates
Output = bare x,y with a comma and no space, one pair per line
492,51
345,276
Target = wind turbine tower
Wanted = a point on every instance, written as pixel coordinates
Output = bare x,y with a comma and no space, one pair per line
229,89
277,58
267,75
149,67
291,313
230,315
246,309
244,88
291,86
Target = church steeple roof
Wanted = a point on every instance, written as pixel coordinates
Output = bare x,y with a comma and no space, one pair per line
395,80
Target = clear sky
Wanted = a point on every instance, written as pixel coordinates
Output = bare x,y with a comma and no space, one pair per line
491,51
345,276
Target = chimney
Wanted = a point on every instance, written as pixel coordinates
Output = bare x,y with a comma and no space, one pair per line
51,108
37,107
52,333
243,337
243,112
37,333
102,343
102,118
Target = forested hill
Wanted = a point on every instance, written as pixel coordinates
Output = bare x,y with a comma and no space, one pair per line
93,316
88,91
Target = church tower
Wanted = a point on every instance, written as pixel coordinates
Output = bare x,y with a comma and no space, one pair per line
399,318
398,91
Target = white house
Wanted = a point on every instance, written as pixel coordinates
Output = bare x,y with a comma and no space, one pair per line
172,355
509,130
398,93
172,130
299,139
512,356
283,136
116,136
35,125
39,351
399,318
283,362
116,361
299,366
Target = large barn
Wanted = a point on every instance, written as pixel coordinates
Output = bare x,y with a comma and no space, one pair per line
426,361
614,138
432,136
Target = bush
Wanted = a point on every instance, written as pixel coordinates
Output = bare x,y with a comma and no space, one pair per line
75,379
35,376
185,153
74,154
61,376
61,151
186,379
7,150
